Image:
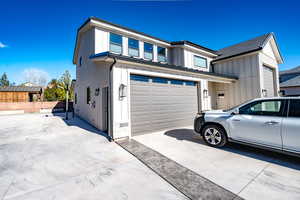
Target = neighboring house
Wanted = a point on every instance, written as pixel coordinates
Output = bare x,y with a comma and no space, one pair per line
20,94
130,83
290,82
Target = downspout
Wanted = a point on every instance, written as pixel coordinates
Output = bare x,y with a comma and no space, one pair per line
110,114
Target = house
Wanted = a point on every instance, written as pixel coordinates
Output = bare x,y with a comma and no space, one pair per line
130,83
290,82
20,94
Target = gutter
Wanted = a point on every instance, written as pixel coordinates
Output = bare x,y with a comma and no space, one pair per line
110,110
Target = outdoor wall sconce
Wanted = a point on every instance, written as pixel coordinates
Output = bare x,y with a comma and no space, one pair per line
205,93
122,91
97,92
264,92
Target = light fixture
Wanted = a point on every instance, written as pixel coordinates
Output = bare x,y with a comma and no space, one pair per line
264,92
205,93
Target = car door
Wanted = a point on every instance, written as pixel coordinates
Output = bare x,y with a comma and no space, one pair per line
259,122
291,127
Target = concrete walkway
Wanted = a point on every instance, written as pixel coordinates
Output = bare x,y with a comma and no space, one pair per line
186,181
251,173
47,158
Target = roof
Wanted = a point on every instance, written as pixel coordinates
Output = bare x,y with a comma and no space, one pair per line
163,65
291,82
194,45
294,70
20,89
248,46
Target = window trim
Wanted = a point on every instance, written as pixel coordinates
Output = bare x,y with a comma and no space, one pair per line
110,42
149,51
138,48
202,58
281,113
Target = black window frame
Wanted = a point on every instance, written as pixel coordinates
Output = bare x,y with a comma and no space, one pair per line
138,47
196,56
88,95
152,52
165,54
281,113
110,42
289,106
75,98
80,61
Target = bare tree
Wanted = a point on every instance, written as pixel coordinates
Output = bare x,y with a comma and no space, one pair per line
35,76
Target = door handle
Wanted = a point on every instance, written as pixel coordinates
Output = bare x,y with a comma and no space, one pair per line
236,120
271,122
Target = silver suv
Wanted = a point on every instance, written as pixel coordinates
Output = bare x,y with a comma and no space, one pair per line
266,123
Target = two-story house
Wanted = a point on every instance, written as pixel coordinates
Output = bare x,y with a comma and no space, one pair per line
130,83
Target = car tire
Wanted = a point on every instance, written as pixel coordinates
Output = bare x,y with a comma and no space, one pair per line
214,135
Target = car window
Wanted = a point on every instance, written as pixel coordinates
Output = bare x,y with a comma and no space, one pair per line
294,108
264,108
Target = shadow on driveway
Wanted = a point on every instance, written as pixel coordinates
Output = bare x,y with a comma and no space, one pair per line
81,123
260,154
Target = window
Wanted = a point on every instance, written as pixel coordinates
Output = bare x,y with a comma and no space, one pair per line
115,43
190,83
80,61
139,78
148,51
200,62
133,47
88,95
265,108
159,80
177,82
75,98
161,54
294,109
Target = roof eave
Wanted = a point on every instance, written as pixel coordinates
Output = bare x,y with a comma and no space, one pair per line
236,55
106,55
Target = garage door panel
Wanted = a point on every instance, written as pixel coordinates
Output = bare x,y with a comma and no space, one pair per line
157,106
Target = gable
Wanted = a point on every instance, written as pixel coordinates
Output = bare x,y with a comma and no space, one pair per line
270,48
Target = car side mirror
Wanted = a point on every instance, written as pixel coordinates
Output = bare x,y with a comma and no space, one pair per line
235,112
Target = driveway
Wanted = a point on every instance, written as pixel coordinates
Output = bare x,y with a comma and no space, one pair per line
245,171
43,157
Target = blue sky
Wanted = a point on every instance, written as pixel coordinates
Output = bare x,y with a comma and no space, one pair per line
41,34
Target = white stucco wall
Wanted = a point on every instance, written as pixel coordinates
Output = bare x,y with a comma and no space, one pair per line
93,75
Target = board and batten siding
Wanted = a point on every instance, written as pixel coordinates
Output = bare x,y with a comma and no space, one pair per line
246,68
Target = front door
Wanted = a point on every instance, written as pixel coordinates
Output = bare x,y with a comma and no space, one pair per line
259,122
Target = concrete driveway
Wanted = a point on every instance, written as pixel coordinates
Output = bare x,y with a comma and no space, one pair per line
245,171
46,158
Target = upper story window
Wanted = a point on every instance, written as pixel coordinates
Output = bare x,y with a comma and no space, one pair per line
200,62
148,51
161,54
115,43
80,61
133,47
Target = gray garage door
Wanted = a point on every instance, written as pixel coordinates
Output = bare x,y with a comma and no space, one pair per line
268,81
161,104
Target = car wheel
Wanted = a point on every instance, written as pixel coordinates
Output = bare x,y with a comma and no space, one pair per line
214,135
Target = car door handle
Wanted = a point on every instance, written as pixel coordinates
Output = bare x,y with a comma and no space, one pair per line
271,122
236,120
